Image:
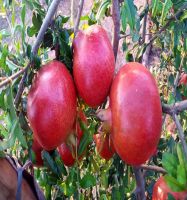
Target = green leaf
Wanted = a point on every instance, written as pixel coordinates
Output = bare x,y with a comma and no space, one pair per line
177,35
174,184
116,193
102,9
131,13
103,197
181,175
37,21
2,103
23,12
60,166
169,162
68,189
181,156
61,20
124,18
13,117
88,181
166,7
156,7
50,162
9,142
31,31
86,138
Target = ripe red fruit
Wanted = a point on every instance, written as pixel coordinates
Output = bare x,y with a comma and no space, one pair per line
37,150
66,155
136,113
93,65
51,106
161,190
104,145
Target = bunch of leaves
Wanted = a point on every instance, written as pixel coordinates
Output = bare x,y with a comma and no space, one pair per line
175,164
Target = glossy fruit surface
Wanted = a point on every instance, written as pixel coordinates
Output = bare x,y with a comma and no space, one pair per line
93,65
136,113
104,145
51,106
161,190
66,155
37,150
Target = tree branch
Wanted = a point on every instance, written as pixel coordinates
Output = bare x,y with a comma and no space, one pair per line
81,4
174,108
140,184
116,21
153,168
180,134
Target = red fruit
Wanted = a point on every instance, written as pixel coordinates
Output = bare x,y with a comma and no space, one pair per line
51,106
66,155
183,79
93,65
161,190
104,145
65,152
37,150
136,114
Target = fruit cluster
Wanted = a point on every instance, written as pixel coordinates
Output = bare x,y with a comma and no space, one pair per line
131,124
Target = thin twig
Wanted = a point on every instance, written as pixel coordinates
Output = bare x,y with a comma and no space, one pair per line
44,26
124,36
180,134
144,26
140,184
76,27
116,21
11,78
153,168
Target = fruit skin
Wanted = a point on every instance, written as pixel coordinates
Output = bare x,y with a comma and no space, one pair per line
51,106
104,145
37,150
161,190
136,113
66,155
93,65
